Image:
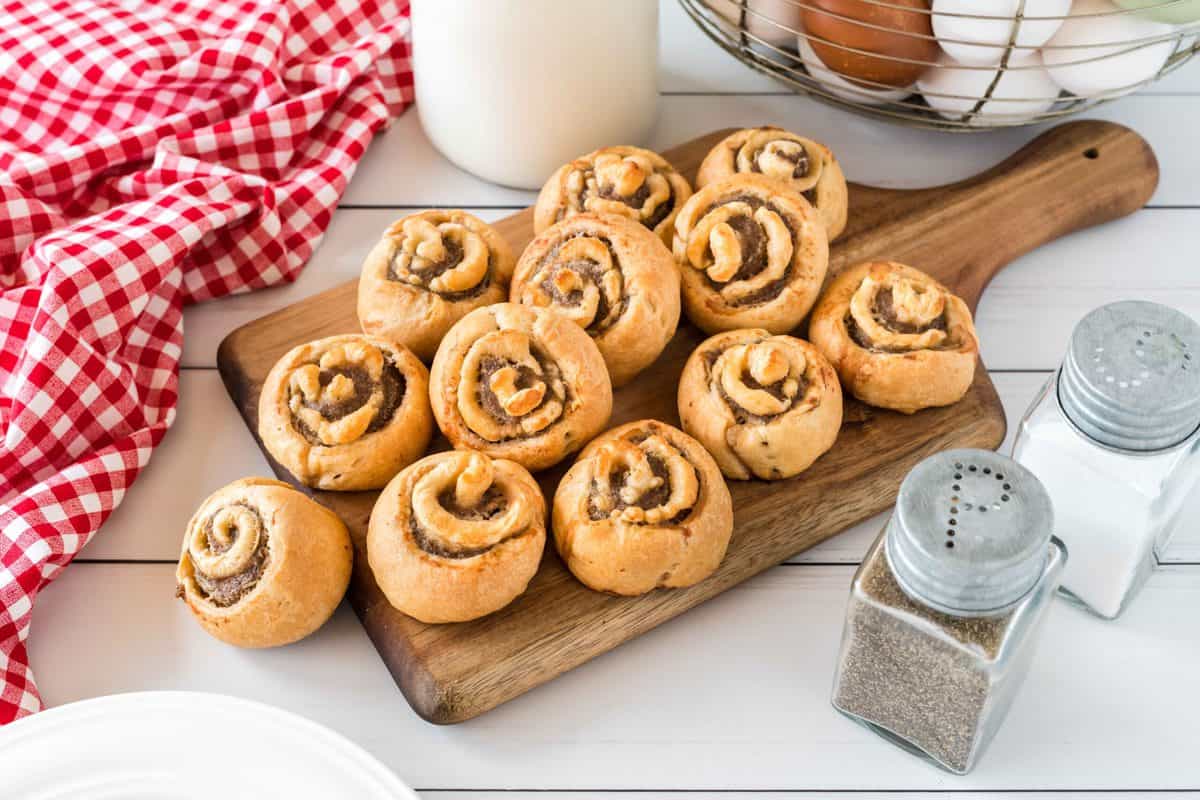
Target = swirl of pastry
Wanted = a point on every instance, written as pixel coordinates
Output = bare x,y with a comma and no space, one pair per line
610,276
802,164
765,406
519,383
263,565
427,272
628,181
752,254
346,412
897,338
456,536
644,507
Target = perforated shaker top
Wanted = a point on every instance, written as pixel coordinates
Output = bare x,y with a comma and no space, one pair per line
1131,377
971,532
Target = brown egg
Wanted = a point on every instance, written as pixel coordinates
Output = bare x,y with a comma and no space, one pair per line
901,37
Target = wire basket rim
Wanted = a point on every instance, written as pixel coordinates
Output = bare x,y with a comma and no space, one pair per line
1159,5
897,104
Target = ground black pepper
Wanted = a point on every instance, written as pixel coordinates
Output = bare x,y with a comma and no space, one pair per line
913,671
944,610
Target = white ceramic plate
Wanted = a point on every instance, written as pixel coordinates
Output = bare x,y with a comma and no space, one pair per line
184,746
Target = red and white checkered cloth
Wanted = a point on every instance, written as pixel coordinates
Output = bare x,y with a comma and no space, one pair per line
152,154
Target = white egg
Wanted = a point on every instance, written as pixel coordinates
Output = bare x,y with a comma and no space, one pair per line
769,23
838,86
1090,54
983,33
1023,91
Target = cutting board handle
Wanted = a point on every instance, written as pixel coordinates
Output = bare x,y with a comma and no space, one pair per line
1071,177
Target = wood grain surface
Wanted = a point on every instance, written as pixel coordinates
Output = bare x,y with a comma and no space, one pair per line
1074,176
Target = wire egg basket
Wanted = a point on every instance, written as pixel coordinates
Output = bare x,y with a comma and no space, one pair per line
1002,78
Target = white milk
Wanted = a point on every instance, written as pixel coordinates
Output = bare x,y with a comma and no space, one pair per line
511,89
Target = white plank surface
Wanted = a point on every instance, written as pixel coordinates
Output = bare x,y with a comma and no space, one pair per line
402,168
734,695
802,795
731,699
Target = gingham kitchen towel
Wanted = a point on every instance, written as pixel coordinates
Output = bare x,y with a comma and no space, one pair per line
152,154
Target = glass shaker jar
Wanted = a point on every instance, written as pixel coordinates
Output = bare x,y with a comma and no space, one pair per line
1113,436
510,90
947,604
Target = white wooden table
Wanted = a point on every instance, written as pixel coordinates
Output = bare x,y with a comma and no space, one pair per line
732,698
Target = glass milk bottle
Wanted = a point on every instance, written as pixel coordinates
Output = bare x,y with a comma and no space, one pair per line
1113,436
946,607
510,90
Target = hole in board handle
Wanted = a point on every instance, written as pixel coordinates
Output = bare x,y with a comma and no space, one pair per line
1091,153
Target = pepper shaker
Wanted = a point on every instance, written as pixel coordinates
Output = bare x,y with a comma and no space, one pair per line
945,609
1113,436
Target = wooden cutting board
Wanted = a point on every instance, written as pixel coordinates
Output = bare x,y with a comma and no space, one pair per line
1074,176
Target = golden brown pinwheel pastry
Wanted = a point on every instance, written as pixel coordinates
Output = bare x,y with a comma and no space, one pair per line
644,507
346,412
629,181
426,273
613,278
897,338
765,406
263,565
752,254
456,536
519,383
802,164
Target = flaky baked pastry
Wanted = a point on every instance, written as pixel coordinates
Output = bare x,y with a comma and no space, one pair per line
802,164
751,253
456,536
765,406
346,412
628,181
519,383
426,273
263,565
643,507
897,338
610,276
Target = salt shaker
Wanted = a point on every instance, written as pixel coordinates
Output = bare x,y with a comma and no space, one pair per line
1113,437
946,607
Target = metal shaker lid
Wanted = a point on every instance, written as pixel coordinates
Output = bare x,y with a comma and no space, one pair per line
1131,377
971,532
